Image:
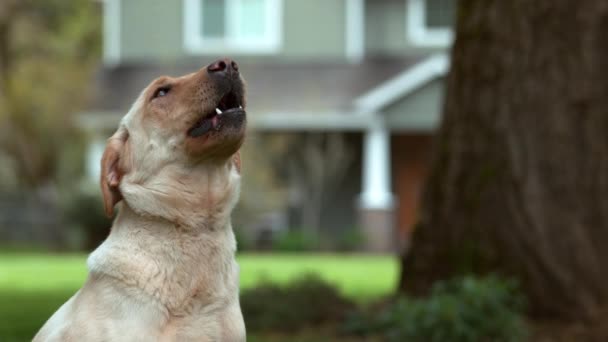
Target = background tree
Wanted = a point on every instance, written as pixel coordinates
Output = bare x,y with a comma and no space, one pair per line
317,164
48,49
298,173
519,181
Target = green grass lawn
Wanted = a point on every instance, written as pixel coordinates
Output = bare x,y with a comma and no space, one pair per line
34,285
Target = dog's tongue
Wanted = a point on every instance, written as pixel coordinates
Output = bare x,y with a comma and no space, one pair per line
205,126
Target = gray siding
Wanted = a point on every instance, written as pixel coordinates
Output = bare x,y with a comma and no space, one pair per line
385,30
314,28
152,30
385,26
419,111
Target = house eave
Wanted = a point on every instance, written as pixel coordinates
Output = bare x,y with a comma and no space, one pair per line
403,84
309,121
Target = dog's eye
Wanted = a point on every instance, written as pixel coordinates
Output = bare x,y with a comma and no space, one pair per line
160,92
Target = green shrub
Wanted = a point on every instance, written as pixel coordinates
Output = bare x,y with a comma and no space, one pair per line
83,209
295,241
349,241
243,243
304,302
464,309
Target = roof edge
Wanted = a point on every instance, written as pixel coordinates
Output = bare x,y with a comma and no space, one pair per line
405,83
297,121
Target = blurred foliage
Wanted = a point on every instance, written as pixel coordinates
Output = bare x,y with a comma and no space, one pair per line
295,240
258,178
243,243
466,309
303,240
306,301
82,209
48,49
349,241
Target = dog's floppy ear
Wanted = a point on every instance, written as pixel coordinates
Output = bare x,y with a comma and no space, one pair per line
236,159
111,171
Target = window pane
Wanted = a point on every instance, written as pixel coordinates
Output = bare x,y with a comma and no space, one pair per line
252,16
214,18
440,13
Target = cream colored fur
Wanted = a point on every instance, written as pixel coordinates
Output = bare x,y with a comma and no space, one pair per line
167,271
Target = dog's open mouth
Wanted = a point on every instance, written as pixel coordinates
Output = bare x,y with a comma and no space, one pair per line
229,105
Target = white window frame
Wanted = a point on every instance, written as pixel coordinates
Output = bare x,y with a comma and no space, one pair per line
419,33
111,32
194,42
355,30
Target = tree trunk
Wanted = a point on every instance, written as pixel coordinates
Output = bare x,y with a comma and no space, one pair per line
519,181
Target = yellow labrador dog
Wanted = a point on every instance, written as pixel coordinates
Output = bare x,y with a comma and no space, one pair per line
167,271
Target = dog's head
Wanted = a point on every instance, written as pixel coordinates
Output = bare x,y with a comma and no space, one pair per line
179,137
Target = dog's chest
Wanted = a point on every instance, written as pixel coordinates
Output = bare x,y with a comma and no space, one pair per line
183,283
218,321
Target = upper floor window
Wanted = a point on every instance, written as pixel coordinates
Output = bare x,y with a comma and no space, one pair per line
430,22
241,26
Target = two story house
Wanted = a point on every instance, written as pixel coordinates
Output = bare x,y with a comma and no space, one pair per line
372,69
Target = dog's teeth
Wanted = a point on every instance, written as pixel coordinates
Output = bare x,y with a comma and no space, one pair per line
218,111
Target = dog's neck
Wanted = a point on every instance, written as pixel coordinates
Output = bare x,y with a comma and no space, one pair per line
178,248
197,197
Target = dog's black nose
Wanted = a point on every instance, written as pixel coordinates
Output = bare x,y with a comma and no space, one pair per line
225,65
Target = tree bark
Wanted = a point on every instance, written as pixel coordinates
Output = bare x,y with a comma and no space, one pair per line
519,181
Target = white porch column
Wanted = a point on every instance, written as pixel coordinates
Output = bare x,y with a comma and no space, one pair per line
376,192
377,201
